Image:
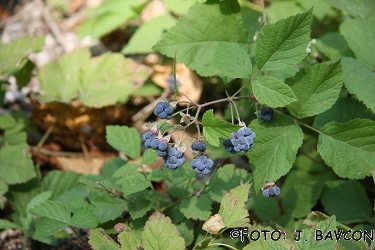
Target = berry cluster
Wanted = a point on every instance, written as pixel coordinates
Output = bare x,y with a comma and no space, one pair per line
266,114
198,146
202,164
240,141
173,158
163,110
271,192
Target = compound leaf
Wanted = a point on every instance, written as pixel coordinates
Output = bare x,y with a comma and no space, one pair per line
350,195
160,233
232,208
360,81
100,240
204,32
275,148
196,208
180,181
283,43
272,91
107,207
349,147
124,139
317,89
215,128
138,204
6,224
360,36
127,238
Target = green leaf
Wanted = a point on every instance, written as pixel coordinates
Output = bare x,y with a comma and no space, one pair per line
196,208
282,9
275,148
40,198
283,43
127,169
260,202
149,156
16,165
349,148
360,36
6,224
99,240
350,195
160,233
233,61
15,51
83,218
133,183
250,21
187,231
148,34
232,208
215,128
359,80
197,40
127,238
52,209
180,183
317,89
46,226
107,17
226,178
357,8
272,92
7,121
124,139
109,79
159,174
59,80
163,126
302,198
3,189
95,81
308,236
342,111
139,204
107,207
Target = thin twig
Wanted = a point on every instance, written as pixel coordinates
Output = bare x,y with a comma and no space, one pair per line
264,13
51,24
79,236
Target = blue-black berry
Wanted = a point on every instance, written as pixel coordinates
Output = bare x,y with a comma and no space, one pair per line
173,158
266,114
240,141
202,164
271,192
163,110
148,137
198,146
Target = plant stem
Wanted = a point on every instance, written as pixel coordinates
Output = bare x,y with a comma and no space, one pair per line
50,129
308,126
243,86
79,236
264,13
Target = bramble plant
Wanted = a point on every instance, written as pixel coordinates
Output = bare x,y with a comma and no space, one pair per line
303,117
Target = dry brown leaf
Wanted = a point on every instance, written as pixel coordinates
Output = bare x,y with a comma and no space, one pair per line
214,224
